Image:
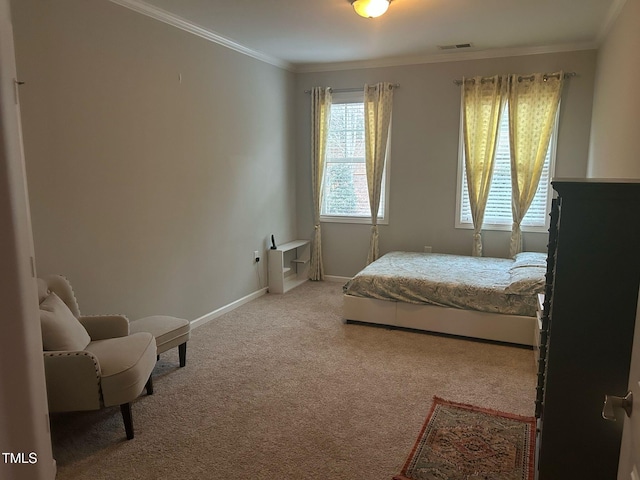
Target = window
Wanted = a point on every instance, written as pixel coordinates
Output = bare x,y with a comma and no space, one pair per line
497,215
345,197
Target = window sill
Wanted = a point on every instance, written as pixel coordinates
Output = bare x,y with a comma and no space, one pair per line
354,220
504,228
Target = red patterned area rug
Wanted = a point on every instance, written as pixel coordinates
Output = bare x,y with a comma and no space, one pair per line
462,442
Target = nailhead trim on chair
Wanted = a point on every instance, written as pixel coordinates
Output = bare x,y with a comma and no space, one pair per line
75,298
73,293
77,354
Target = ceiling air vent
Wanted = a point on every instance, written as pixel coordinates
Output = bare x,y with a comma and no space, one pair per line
454,46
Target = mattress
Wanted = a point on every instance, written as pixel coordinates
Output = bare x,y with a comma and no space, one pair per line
494,285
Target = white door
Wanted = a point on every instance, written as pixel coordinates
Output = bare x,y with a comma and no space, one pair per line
629,468
24,421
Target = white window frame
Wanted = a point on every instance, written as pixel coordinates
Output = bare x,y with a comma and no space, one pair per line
358,97
504,226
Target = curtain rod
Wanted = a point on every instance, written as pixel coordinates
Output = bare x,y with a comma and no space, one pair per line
353,89
525,77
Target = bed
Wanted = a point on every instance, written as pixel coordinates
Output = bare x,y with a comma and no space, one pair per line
479,297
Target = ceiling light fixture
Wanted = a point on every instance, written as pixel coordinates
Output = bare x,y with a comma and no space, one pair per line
370,8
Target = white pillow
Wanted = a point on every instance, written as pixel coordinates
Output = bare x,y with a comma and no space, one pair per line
60,329
529,259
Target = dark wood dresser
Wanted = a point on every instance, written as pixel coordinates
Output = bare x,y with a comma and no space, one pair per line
588,319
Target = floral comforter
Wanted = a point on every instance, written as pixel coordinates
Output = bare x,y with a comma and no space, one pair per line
473,283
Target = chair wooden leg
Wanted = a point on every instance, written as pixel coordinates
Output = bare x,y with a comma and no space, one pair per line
149,386
125,408
182,353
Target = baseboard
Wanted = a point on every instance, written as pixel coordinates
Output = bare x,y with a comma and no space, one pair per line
227,308
336,278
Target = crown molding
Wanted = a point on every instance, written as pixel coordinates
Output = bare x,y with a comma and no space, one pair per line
612,15
161,15
443,57
190,27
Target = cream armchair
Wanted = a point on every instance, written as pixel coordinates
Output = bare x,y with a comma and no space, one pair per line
91,362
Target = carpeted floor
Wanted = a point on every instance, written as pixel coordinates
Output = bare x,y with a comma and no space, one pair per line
282,388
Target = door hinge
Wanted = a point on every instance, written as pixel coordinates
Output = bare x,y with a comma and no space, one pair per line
16,84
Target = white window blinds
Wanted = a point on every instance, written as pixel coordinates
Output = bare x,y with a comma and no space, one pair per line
344,188
498,209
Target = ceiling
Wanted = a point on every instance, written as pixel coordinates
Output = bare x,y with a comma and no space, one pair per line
306,35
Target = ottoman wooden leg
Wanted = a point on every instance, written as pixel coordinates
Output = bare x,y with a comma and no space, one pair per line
182,353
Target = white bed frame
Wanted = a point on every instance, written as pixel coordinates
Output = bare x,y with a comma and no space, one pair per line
453,321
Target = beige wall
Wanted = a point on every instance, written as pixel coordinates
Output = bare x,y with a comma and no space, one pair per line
150,192
424,154
615,127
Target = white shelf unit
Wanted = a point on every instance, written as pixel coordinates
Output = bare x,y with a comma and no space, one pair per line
289,265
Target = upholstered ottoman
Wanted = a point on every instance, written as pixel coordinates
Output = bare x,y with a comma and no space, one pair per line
169,332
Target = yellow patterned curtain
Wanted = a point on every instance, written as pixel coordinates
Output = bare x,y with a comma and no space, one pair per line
533,104
320,114
482,102
378,100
